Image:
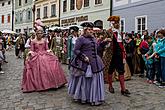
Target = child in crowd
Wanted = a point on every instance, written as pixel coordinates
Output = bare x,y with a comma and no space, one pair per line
149,62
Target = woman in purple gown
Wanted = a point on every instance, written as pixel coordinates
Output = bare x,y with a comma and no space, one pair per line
86,82
42,69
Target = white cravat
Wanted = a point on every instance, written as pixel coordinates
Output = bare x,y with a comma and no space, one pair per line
119,38
74,39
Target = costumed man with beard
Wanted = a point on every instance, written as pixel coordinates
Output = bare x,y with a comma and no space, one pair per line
118,57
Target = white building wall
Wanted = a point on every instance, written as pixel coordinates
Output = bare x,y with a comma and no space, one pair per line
24,24
5,10
50,20
94,12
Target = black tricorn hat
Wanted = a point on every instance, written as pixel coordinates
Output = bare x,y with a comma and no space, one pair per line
87,24
74,28
50,30
57,30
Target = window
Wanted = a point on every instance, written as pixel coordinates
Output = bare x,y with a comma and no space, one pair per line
29,14
45,11
86,3
8,18
72,4
16,19
122,25
53,10
8,2
19,2
20,15
17,30
25,1
2,19
120,2
141,24
135,1
65,6
98,2
38,13
3,4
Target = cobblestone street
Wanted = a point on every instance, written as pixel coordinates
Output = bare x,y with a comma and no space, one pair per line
144,96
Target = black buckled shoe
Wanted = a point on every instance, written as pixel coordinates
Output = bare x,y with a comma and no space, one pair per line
111,90
126,93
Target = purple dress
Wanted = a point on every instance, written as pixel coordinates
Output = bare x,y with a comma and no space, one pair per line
42,70
86,78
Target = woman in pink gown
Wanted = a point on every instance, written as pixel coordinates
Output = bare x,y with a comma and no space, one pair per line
42,69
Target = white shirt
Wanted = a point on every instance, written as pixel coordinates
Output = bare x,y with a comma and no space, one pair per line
27,45
119,38
74,39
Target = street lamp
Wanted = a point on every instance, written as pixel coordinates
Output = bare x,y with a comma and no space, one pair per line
59,11
33,12
12,24
111,7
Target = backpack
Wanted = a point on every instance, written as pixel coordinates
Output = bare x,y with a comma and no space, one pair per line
144,47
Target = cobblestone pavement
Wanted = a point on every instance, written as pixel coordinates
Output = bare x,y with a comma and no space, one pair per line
144,96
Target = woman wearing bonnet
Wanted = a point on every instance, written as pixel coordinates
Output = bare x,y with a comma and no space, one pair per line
42,69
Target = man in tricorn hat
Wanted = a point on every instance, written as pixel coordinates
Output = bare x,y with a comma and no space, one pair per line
118,57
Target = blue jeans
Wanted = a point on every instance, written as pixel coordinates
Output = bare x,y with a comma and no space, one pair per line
163,68
157,70
150,72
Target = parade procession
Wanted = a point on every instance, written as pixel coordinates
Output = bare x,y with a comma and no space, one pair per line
82,55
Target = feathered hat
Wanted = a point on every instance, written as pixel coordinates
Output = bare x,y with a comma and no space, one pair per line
114,19
39,25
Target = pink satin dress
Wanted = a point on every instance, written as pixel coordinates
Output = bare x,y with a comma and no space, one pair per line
42,70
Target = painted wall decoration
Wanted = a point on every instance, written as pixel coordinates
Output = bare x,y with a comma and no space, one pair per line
79,4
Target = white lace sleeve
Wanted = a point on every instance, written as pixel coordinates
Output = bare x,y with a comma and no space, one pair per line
27,45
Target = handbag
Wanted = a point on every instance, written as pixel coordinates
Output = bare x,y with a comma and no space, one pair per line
89,71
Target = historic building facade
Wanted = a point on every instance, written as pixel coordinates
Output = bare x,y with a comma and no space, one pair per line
5,15
74,12
139,15
23,16
47,11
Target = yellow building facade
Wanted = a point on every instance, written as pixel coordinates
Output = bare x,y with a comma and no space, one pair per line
47,11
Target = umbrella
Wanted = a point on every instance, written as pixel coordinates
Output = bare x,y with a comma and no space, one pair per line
96,29
8,31
80,27
54,27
